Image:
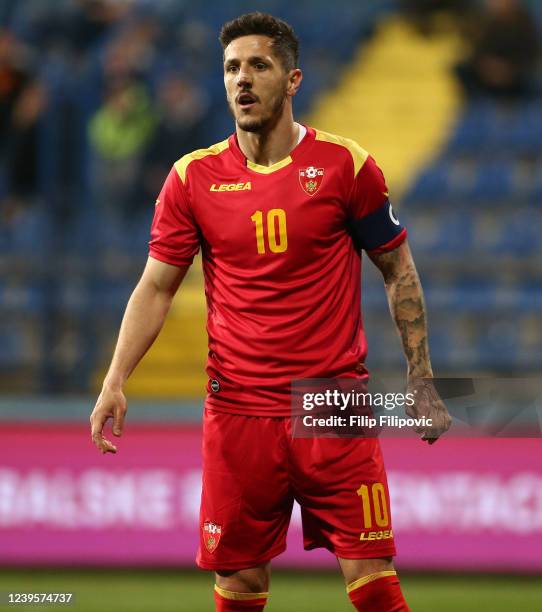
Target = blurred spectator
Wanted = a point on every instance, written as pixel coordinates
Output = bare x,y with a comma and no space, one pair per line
22,103
14,73
504,50
119,133
182,109
70,28
133,50
91,20
422,12
196,40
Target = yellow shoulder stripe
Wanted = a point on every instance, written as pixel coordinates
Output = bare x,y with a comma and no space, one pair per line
358,154
370,578
239,596
182,164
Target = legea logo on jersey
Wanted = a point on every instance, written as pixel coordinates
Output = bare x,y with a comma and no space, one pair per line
231,187
376,535
211,535
310,179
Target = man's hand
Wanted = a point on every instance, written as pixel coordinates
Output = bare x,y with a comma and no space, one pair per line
143,319
428,404
110,404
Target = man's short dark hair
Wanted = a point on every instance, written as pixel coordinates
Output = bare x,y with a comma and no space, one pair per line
285,42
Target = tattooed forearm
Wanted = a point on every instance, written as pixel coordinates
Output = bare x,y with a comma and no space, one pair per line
405,298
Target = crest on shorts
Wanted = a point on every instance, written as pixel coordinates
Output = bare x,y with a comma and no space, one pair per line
211,535
310,179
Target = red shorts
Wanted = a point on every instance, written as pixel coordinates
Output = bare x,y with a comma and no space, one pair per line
253,470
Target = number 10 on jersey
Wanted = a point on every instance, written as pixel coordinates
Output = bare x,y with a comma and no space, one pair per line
274,227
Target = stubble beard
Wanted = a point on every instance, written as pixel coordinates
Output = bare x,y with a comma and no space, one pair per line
264,123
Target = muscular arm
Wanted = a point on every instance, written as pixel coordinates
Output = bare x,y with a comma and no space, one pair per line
143,319
405,299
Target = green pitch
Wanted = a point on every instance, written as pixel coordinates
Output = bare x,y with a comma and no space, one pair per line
169,591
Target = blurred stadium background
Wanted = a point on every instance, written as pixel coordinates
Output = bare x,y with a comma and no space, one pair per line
97,99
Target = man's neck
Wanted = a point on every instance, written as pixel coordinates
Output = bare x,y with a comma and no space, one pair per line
269,147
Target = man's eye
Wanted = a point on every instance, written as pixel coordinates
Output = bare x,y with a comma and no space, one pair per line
231,69
261,66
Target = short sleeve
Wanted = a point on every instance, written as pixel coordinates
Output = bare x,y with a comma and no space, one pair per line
174,232
372,222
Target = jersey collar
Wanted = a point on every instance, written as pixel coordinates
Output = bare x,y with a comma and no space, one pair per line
294,154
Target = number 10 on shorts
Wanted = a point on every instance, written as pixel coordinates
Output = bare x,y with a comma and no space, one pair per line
374,504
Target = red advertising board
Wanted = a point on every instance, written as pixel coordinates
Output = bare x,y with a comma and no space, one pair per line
460,504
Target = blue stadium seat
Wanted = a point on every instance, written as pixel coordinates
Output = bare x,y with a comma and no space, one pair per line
22,297
535,196
30,234
520,232
11,348
498,345
16,340
432,184
74,297
475,295
440,344
455,233
472,131
529,297
494,181
84,234
110,298
423,229
523,134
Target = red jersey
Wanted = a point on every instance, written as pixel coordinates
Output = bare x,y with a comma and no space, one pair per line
281,248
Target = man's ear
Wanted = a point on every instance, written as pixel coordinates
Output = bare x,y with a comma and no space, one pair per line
294,81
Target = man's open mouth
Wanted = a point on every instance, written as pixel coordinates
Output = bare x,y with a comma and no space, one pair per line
246,100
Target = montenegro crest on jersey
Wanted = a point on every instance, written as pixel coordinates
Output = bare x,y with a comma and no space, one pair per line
211,535
310,179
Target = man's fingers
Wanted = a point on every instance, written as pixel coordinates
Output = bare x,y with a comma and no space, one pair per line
419,429
96,424
441,424
430,436
118,420
429,440
413,414
107,447
103,444
429,405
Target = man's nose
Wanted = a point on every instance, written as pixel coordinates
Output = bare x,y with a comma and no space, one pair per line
244,79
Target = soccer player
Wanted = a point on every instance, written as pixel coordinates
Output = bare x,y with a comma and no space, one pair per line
281,212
